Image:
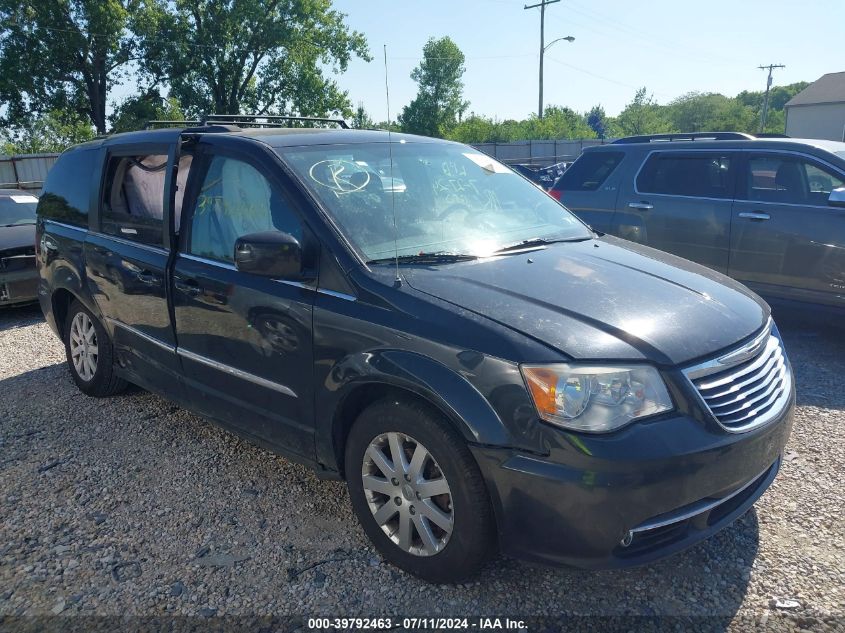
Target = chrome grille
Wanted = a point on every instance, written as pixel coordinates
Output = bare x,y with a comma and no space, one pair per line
746,387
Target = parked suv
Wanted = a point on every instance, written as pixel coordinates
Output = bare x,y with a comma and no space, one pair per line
769,212
406,313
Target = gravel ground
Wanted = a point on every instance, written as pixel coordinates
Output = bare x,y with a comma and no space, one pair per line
133,506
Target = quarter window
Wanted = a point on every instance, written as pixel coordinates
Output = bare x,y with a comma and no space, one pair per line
67,191
589,172
133,198
235,199
698,174
789,180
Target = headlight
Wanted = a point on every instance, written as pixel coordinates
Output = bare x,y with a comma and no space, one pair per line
593,398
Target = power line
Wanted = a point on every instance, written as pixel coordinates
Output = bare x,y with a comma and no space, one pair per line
652,38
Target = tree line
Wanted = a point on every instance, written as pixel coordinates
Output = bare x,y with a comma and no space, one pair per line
61,60
440,110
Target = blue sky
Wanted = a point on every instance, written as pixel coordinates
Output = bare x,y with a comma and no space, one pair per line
671,47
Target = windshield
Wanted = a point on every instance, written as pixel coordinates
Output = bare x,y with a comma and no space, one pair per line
17,209
448,199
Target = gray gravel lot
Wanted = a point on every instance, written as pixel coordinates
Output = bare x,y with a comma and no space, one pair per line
131,505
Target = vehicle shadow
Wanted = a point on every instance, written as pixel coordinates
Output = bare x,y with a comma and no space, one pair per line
816,349
14,317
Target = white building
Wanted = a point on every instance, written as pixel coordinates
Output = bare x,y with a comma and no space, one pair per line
818,111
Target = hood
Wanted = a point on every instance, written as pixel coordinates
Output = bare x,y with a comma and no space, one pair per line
17,236
603,299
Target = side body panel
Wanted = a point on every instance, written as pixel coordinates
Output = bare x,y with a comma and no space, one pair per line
695,228
790,251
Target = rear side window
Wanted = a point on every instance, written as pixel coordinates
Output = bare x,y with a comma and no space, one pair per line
133,198
67,190
589,172
697,174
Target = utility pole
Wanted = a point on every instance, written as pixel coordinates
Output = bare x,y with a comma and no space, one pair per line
765,113
542,4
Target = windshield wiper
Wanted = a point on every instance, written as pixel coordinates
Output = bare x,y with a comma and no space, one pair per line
17,224
426,258
538,242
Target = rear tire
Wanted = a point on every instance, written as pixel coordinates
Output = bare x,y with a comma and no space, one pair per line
431,515
89,352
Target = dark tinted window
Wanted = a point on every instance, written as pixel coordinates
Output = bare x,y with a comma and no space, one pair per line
699,174
790,180
67,190
589,172
133,198
235,199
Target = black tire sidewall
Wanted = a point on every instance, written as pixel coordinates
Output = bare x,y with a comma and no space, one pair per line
473,535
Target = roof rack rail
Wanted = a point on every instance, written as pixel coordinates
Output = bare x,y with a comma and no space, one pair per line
692,136
267,120
163,123
772,135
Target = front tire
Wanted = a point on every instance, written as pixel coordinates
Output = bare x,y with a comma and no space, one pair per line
418,492
89,352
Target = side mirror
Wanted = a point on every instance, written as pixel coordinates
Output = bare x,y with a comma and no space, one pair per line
270,254
837,197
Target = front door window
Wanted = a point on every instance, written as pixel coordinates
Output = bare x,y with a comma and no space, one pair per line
235,199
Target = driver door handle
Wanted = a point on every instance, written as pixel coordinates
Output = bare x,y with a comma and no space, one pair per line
642,206
755,216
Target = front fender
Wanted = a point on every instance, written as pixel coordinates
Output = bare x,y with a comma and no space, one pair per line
457,399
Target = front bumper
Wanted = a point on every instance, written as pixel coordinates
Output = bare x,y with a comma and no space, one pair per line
661,486
19,286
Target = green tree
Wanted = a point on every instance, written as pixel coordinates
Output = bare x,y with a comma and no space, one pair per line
133,112
62,55
597,120
439,103
557,122
361,120
697,112
476,129
253,56
53,132
641,116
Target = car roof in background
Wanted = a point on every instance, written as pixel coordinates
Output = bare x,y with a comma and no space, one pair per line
5,193
836,147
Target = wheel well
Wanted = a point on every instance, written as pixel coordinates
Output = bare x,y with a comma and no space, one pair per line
61,302
360,399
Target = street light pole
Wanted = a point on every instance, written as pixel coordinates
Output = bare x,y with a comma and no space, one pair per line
542,4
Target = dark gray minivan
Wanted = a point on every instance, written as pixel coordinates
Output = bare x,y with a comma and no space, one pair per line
769,212
485,372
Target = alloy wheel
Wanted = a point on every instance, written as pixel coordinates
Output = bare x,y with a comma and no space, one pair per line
83,346
408,494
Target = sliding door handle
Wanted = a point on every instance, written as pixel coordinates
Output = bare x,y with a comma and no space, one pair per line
148,278
755,216
642,206
188,286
